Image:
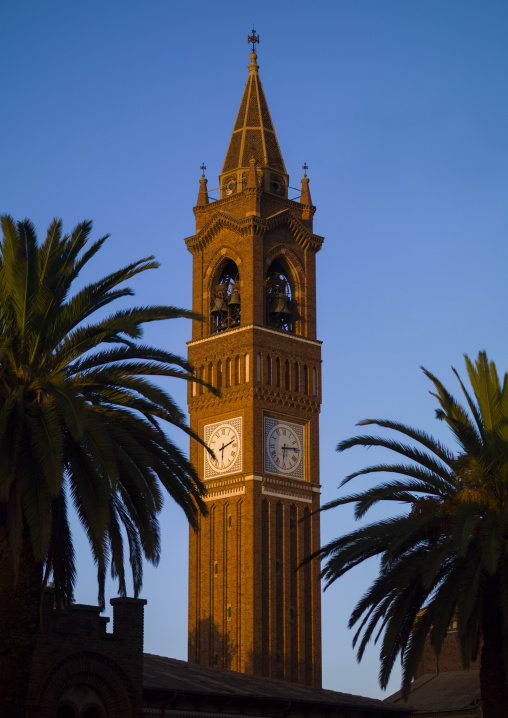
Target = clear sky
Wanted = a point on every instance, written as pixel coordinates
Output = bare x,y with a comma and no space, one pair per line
400,109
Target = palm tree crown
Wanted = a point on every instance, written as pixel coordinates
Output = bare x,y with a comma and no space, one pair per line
80,417
447,556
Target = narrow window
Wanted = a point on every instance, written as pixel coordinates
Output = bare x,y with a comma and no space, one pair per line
194,386
314,381
277,372
237,370
247,378
268,370
305,380
210,374
229,522
286,375
228,612
296,377
215,568
228,372
219,375
258,362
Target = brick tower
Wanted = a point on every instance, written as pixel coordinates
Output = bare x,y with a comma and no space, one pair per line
254,280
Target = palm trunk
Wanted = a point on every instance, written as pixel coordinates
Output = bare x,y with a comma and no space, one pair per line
19,623
493,678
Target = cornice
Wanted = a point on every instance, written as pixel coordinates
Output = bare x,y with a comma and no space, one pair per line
267,394
229,332
281,487
254,226
286,398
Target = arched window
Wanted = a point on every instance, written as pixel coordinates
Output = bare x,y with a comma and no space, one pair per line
219,375
277,372
286,375
258,367
296,377
314,381
279,303
247,378
228,373
225,309
210,374
305,379
268,375
237,370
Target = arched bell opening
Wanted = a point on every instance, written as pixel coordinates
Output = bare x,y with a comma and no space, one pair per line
225,310
280,307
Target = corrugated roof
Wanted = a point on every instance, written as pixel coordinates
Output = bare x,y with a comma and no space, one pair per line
453,690
160,673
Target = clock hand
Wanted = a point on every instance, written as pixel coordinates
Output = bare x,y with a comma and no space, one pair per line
224,446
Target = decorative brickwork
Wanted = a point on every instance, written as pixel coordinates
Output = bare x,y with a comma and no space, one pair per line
250,609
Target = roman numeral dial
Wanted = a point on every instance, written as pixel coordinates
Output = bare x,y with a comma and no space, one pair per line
284,448
225,440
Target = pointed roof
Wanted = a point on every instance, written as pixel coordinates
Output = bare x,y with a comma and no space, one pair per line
253,134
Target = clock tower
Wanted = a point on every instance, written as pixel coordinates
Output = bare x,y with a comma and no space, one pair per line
254,281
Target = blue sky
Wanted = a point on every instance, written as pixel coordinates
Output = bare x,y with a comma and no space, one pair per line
400,109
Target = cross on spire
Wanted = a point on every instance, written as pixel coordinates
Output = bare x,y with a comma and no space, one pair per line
305,167
203,168
253,38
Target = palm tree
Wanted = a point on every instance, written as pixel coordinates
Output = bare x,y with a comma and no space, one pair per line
447,556
81,422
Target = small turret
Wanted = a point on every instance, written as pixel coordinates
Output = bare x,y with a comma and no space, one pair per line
305,199
203,190
305,196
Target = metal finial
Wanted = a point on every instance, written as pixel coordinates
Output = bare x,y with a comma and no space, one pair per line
203,168
305,168
253,38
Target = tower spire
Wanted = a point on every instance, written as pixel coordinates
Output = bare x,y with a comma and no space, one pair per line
253,133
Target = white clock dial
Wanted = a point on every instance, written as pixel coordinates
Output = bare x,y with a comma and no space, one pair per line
224,439
284,448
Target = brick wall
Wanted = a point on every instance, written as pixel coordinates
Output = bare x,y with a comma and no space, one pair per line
77,664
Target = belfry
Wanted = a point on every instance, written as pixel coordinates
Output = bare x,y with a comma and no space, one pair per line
254,280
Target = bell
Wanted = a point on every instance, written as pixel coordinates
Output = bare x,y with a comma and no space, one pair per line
279,306
219,306
234,300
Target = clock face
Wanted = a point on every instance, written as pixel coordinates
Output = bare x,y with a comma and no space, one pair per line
284,448
225,440
230,185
